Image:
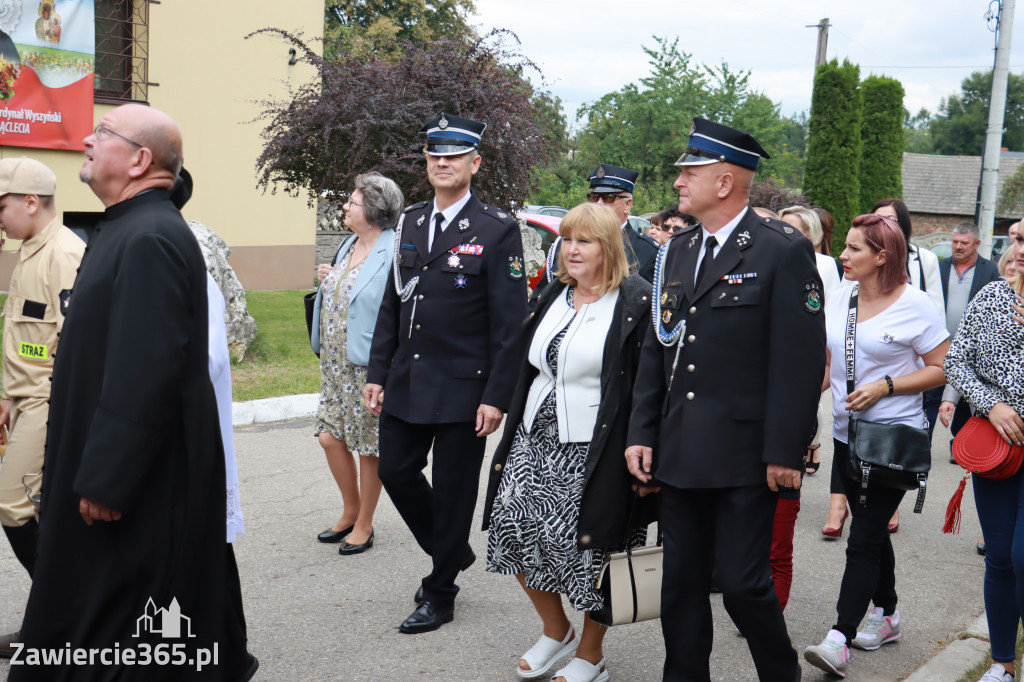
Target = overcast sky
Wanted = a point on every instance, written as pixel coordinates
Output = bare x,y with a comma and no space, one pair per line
587,49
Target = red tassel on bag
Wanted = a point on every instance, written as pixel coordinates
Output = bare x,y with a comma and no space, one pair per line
952,524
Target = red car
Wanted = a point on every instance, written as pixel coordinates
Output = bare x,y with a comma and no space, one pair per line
547,227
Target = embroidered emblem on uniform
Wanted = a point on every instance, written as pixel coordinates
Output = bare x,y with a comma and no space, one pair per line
502,215
453,261
787,229
460,281
443,123
420,221
743,239
600,171
812,297
463,224
666,316
515,267
888,338
693,240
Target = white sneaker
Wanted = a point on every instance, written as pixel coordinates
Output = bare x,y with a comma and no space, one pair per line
832,655
996,673
879,629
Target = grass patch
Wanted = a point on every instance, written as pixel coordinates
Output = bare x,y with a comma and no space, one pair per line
977,671
279,360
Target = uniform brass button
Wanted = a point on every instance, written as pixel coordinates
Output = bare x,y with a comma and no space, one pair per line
420,297
417,327
585,539
735,298
531,314
604,426
425,268
690,368
693,309
691,338
689,396
479,371
643,298
461,267
629,319
497,467
416,357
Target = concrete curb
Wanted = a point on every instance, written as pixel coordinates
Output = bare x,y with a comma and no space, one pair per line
958,657
274,409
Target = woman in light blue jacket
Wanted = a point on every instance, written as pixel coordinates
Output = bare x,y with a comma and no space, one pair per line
345,313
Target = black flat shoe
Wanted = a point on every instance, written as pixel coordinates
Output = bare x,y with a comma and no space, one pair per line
333,536
347,548
7,648
427,617
467,561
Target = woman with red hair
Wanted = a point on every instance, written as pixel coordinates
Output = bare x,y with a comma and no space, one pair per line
900,340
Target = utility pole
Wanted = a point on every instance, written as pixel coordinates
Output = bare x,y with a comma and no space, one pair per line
822,27
994,134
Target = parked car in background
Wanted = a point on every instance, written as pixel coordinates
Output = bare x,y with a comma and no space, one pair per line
554,211
547,227
944,249
641,225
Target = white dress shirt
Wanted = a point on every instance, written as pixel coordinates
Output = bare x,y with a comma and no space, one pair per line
449,215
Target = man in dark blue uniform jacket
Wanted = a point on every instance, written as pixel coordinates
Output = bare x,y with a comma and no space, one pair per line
442,367
724,401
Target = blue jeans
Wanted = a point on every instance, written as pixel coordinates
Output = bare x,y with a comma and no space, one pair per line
1000,506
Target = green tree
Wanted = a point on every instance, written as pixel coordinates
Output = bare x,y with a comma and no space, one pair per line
831,174
917,136
881,136
959,125
1011,197
645,126
383,26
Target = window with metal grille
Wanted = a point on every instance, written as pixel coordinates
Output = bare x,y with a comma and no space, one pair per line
122,50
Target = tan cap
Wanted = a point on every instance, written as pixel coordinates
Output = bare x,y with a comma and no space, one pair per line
22,175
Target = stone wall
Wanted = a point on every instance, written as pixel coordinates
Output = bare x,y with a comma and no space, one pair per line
930,228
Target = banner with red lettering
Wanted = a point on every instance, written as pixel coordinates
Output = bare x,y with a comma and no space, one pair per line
47,57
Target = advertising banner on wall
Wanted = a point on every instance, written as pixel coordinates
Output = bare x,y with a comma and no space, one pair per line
47,58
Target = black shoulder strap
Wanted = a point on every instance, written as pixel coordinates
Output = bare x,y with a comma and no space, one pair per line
851,340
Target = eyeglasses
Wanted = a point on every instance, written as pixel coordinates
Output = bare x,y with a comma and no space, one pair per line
100,131
597,198
352,203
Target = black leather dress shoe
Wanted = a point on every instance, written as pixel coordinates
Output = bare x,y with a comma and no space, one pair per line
427,617
7,642
333,536
467,561
347,548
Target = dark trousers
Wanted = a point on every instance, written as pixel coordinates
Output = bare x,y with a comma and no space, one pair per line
870,575
728,530
235,649
932,398
439,516
1001,513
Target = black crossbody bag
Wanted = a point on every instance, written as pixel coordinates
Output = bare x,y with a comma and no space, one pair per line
888,455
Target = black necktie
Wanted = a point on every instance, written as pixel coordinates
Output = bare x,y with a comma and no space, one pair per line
438,219
705,263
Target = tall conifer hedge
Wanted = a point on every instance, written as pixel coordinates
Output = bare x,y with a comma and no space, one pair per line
881,136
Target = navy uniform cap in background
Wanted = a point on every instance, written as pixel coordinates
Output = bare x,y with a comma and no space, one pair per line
607,179
449,135
712,142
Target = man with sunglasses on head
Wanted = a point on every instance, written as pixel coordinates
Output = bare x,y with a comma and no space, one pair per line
134,479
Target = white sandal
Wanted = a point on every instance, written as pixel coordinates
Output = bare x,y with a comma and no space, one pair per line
546,652
580,670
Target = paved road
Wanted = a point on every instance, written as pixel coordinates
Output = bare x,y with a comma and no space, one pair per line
316,616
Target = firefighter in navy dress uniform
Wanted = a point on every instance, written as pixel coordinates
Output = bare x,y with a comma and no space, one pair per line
443,363
724,402
613,186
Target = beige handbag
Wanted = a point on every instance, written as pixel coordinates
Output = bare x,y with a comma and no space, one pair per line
630,581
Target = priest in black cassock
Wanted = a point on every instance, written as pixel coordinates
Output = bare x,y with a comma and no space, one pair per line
131,545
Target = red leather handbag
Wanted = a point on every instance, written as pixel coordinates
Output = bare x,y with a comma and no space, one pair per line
978,448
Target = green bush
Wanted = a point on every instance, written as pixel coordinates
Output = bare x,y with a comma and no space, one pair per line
881,137
831,176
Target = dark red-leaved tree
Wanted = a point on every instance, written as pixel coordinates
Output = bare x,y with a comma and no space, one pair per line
364,112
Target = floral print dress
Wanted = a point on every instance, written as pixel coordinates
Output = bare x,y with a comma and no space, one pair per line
341,412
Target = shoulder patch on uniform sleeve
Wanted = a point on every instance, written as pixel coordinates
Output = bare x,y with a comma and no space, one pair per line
780,227
810,294
515,267
65,300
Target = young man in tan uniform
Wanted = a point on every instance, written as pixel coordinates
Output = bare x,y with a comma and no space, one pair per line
40,292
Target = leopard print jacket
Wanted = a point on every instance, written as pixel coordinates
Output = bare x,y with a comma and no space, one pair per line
985,362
